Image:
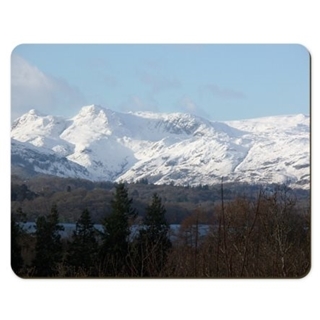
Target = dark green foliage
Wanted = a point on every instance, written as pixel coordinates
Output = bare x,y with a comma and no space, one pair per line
114,249
121,204
16,234
21,192
153,242
48,246
156,225
82,252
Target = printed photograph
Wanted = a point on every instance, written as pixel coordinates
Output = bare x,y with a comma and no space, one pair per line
172,161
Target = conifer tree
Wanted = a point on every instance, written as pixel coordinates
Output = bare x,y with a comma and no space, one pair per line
48,246
115,246
81,255
16,234
153,241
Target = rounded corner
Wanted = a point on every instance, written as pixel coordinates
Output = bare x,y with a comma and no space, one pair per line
305,274
304,48
16,273
15,48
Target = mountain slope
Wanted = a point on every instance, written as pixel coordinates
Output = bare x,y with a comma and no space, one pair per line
185,149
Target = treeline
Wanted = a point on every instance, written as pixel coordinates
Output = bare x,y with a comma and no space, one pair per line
36,196
264,237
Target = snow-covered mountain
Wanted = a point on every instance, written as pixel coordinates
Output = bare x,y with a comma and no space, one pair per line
100,144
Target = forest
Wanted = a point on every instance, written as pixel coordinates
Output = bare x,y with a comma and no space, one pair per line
225,230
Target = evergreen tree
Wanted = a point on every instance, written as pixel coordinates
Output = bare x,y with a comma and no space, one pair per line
81,256
16,234
114,249
153,241
48,246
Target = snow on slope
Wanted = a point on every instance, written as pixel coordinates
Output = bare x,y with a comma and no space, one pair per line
281,150
38,159
174,147
41,131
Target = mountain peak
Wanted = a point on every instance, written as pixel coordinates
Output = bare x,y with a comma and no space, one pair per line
34,113
91,109
177,147
31,115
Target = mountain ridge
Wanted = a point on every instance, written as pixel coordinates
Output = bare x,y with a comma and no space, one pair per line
103,144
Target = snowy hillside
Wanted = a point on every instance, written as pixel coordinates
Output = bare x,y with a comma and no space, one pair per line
100,144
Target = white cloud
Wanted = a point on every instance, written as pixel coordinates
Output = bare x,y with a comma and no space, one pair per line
186,104
32,88
222,93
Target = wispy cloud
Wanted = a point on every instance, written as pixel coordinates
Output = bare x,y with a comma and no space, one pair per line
186,104
158,83
32,88
222,93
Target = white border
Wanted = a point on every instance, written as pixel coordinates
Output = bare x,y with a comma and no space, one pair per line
156,22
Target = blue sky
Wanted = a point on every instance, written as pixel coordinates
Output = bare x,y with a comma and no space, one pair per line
219,82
